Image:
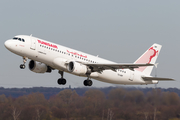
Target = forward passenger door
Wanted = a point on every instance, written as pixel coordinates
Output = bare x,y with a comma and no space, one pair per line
33,43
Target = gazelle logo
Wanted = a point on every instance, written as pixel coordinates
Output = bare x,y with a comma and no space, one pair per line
147,57
153,55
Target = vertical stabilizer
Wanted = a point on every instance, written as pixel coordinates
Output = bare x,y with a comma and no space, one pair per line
149,56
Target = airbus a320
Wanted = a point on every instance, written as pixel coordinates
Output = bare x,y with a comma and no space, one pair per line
46,56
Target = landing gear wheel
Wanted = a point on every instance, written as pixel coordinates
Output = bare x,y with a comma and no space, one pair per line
22,66
85,83
61,81
88,82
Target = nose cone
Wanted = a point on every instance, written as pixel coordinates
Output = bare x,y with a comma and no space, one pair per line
7,44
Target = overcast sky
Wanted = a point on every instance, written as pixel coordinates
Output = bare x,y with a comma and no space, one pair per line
117,30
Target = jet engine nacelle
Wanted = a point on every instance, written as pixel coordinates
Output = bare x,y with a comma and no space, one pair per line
78,68
38,67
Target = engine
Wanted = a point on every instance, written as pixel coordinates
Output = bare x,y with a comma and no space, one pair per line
38,67
78,68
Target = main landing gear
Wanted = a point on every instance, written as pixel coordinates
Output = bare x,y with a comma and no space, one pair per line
88,82
61,81
22,66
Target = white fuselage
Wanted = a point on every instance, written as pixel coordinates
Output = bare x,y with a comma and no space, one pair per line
48,52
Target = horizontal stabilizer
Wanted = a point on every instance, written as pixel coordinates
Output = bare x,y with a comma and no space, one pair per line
156,78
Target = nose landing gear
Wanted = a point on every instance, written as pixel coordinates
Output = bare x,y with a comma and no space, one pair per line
22,66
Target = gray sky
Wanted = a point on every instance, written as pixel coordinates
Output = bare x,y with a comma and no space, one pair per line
117,30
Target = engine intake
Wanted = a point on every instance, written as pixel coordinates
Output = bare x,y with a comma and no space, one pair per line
78,68
38,67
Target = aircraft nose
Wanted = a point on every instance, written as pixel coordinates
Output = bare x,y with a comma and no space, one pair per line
7,44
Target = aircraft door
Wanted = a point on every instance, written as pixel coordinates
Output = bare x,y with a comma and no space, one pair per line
131,75
33,43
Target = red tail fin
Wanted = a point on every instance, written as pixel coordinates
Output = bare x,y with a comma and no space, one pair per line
149,56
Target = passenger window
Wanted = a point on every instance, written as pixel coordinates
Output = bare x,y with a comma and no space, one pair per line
23,40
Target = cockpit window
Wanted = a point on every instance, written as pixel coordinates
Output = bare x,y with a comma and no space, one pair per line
15,38
20,39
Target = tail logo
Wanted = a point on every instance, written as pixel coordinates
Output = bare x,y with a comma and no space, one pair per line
147,57
155,53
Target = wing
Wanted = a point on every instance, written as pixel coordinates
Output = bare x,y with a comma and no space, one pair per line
156,78
100,67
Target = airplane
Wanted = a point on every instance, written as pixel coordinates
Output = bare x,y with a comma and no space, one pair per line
46,56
